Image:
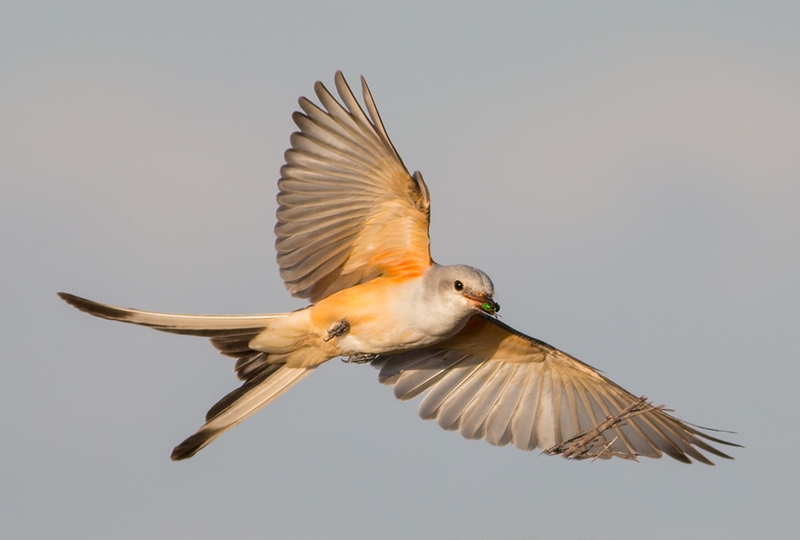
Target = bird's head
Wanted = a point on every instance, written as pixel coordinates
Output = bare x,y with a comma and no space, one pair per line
464,285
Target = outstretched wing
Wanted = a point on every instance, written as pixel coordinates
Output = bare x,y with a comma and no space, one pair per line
349,210
491,382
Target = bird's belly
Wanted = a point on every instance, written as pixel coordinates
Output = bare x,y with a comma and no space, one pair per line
385,338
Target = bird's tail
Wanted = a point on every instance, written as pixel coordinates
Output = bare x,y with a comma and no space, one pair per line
195,325
254,394
265,372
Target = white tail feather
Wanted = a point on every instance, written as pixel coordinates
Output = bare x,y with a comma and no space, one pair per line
205,325
245,401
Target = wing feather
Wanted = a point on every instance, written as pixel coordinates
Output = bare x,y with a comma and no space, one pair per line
349,210
318,252
490,381
451,380
523,423
452,409
474,416
499,417
412,382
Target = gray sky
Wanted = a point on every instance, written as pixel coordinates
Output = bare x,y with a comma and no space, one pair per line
629,176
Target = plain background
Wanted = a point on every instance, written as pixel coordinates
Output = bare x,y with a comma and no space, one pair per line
627,173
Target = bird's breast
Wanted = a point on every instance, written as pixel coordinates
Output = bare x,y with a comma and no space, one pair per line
384,315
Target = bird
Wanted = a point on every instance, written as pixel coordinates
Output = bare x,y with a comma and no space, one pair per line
352,238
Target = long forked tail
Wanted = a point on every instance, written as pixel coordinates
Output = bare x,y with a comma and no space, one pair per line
265,375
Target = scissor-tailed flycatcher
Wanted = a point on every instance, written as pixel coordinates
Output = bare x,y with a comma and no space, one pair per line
353,238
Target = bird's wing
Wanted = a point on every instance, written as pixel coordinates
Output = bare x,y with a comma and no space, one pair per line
491,382
349,211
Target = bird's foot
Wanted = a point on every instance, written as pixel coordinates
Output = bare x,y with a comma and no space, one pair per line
338,329
360,358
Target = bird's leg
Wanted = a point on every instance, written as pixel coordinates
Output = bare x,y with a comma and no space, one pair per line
338,329
360,358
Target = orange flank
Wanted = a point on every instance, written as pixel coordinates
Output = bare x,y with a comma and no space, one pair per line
370,311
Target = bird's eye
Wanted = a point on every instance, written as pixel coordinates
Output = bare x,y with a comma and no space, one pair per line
458,285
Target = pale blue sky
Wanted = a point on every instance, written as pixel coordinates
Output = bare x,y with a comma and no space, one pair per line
628,175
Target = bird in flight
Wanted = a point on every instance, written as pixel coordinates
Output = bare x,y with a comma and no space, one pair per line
352,238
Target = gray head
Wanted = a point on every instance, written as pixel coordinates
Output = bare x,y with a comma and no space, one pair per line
459,282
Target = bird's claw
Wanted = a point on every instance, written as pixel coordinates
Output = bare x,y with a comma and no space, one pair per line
360,358
338,329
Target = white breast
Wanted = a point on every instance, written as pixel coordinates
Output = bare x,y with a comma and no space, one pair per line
432,316
412,320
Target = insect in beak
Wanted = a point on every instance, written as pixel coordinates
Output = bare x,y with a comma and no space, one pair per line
491,307
485,303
